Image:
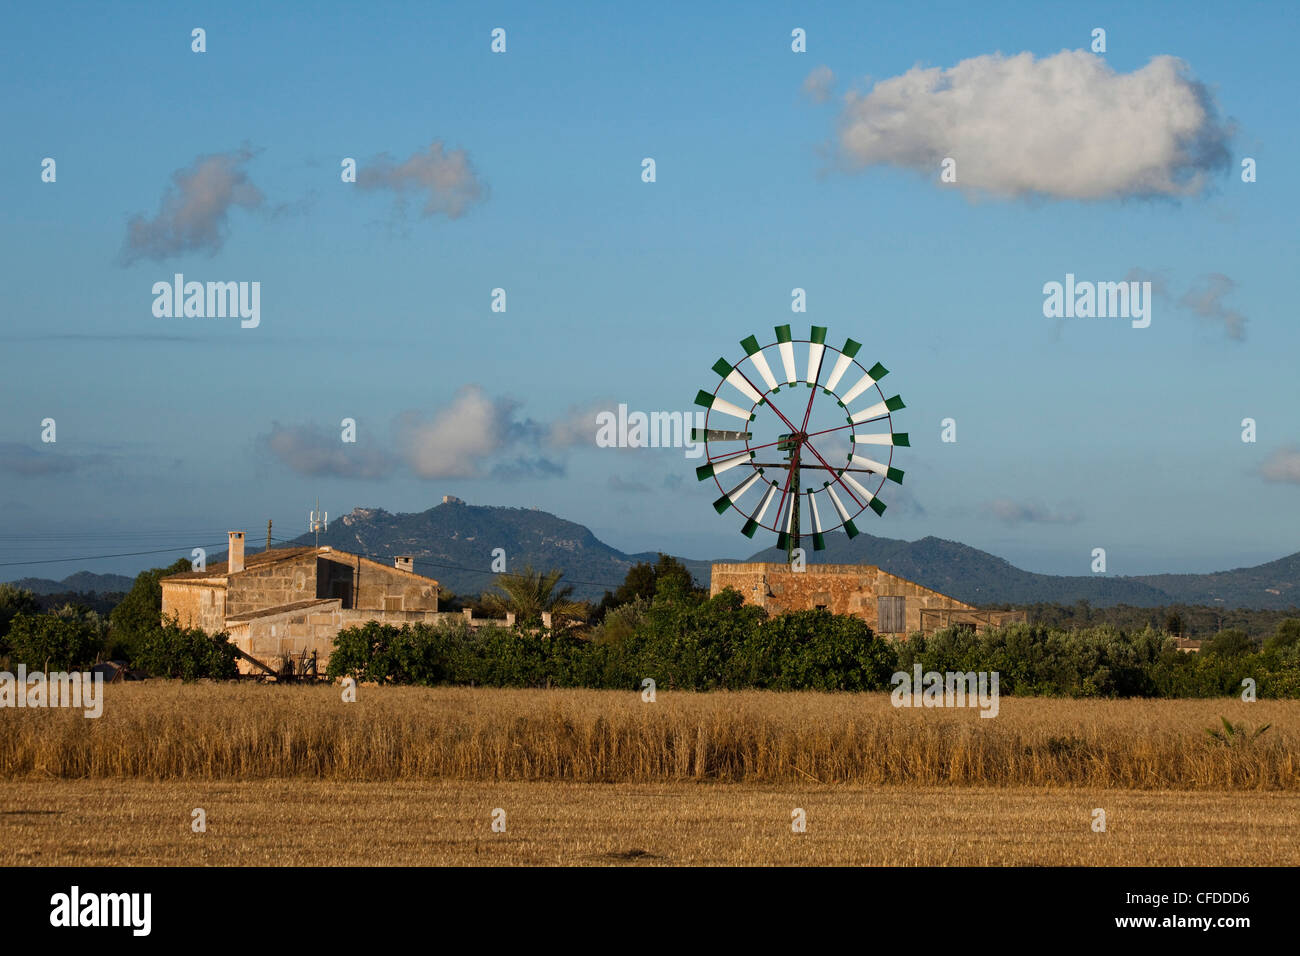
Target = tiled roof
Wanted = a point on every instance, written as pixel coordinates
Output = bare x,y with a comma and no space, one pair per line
252,561
279,609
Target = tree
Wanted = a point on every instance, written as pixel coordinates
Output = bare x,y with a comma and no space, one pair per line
1174,624
14,601
169,650
140,612
44,641
666,580
528,593
1231,642
1286,637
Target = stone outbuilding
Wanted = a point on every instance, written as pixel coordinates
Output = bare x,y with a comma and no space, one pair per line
289,604
893,606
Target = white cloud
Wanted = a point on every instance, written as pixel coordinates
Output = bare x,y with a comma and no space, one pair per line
1283,465
447,178
459,437
817,85
1065,126
193,214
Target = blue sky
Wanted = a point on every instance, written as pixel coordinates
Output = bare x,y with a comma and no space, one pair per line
1071,435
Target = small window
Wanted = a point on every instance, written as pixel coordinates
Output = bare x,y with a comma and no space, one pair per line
393,603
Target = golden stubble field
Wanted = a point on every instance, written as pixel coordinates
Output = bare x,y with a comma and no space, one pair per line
293,775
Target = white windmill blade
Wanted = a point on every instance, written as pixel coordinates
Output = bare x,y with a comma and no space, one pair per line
785,345
842,363
816,351
709,469
860,461
734,378
819,539
878,410
898,439
752,524
722,406
735,494
849,527
874,375
874,503
750,345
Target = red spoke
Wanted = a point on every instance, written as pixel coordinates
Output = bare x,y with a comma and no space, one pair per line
834,475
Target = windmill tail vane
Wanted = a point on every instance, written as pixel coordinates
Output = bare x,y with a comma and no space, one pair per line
812,439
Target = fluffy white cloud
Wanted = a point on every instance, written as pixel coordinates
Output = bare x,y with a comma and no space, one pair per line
454,442
1065,126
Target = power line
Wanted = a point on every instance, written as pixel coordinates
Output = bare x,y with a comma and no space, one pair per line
292,541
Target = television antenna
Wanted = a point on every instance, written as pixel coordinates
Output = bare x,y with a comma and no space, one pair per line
318,521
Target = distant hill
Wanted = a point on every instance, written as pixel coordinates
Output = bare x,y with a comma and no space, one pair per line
453,542
978,577
83,582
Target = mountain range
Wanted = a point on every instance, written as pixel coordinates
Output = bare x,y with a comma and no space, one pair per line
455,543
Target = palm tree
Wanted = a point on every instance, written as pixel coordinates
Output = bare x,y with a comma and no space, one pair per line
528,593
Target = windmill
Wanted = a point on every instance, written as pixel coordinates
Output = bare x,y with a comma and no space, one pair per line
840,490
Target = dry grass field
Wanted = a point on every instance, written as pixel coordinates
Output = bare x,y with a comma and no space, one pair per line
293,775
170,731
315,823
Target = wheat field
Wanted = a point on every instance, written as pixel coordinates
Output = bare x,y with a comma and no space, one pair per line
246,732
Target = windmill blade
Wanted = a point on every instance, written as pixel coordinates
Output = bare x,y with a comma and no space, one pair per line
731,497
893,474
878,410
874,503
816,351
842,363
725,464
785,346
783,537
752,524
721,405
750,345
717,434
874,375
733,377
819,539
897,438
849,527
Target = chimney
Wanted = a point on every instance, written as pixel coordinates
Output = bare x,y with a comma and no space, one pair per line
235,558
404,562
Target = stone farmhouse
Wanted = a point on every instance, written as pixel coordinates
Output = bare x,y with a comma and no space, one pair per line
893,606
288,604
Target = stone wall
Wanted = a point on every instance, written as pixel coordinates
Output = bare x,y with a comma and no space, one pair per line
271,584
200,603
840,588
368,585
